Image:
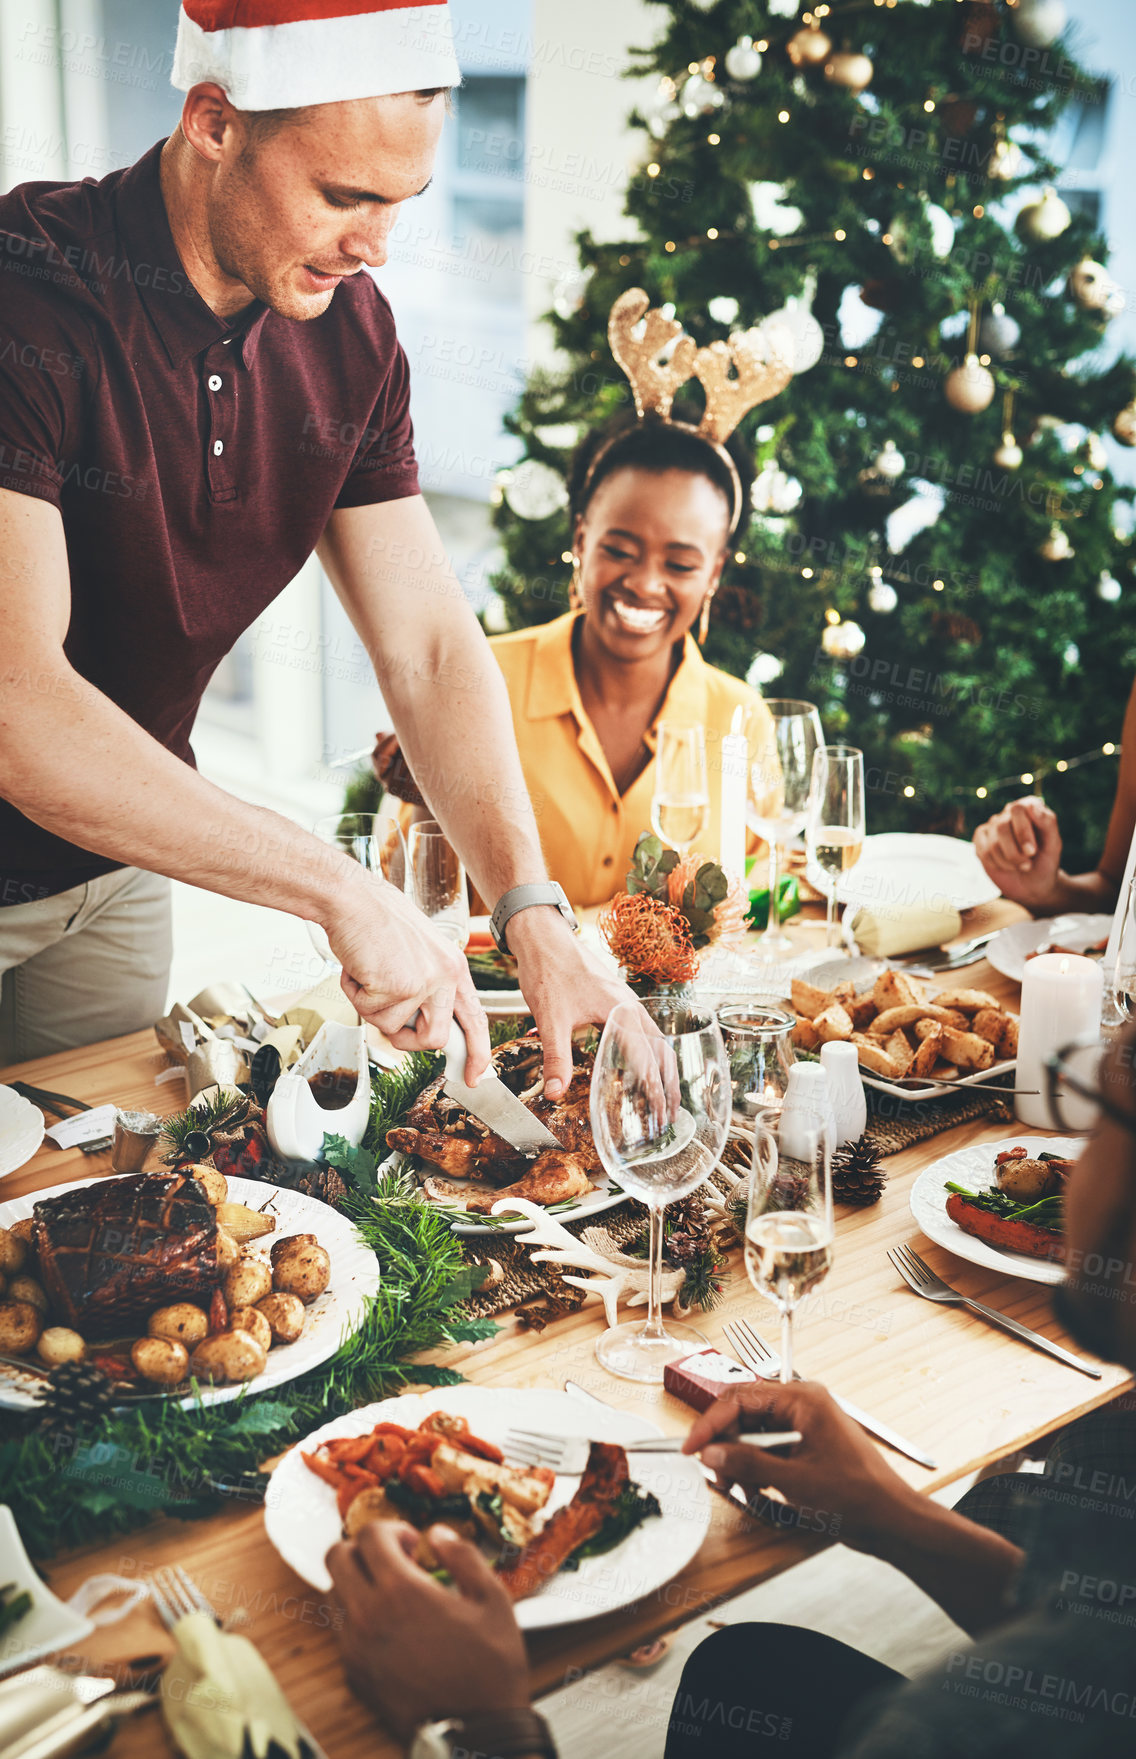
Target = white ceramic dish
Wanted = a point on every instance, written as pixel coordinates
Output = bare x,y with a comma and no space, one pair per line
302,1521
21,1130
603,1196
50,1624
1076,933
901,868
330,1320
296,1123
974,1168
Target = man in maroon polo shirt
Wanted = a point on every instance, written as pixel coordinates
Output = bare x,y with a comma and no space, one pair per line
198,387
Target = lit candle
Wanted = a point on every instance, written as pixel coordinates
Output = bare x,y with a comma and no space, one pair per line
735,757
1061,1003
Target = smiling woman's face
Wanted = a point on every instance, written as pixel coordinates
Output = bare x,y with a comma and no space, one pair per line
651,546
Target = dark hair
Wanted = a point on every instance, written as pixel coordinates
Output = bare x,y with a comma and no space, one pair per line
655,445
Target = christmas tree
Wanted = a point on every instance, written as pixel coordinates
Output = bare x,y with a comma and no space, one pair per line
938,553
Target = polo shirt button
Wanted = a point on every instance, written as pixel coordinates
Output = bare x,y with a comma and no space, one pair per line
215,381
218,448
607,860
615,806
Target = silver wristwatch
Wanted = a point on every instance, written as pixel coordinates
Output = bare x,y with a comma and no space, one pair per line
523,898
503,1734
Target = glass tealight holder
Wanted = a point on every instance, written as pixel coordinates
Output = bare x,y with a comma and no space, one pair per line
759,1046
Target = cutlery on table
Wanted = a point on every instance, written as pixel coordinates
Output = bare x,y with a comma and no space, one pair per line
944,958
46,1713
61,1105
922,1279
750,1347
569,1453
732,1492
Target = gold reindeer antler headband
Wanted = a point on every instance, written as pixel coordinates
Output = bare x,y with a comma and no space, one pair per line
658,356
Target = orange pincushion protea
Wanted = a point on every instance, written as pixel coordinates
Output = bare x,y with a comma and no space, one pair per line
729,916
649,938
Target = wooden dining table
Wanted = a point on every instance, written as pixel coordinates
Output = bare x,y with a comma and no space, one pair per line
965,1391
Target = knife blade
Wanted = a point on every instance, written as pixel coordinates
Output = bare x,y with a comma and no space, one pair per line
492,1102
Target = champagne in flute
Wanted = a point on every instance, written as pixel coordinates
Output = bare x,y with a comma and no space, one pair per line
834,832
786,1255
789,1224
778,794
680,809
836,849
680,823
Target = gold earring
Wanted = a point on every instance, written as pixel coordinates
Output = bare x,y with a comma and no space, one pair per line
575,589
704,620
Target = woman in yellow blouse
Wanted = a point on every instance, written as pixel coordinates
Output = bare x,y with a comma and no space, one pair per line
653,511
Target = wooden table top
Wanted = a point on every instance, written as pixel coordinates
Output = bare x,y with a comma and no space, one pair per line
962,1389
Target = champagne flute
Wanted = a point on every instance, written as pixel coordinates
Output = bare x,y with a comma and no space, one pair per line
660,1114
789,1223
835,820
777,796
376,842
1124,971
680,809
437,879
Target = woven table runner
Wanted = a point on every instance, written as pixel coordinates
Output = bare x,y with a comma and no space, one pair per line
898,1123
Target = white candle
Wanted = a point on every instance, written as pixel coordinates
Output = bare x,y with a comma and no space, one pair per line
735,757
1061,1003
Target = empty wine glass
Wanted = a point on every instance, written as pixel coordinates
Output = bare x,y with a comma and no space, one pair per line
789,1223
660,1113
777,796
437,879
834,831
372,839
680,809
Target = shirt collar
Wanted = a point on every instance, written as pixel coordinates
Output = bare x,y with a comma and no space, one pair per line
553,689
186,325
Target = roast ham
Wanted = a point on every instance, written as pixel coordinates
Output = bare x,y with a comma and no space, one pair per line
112,1252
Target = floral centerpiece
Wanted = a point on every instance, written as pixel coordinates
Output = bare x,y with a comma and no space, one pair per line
674,907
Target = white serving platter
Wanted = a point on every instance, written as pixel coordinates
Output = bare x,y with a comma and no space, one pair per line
974,1168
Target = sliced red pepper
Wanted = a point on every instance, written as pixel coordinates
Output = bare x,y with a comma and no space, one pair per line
325,1469
485,1450
385,1455
424,1480
349,1447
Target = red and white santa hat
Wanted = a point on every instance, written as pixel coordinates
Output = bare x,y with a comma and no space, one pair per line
279,54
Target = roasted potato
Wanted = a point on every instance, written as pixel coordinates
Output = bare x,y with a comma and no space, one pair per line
59,1344
930,1047
1027,1180
886,1023
305,1272
808,1000
289,1244
833,1023
969,1000
181,1321
871,1053
13,1251
254,1322
163,1361
805,1035
215,1184
25,1231
285,1316
967,1049
894,989
898,1048
243,1223
228,1252
20,1327
246,1283
25,1288
230,1355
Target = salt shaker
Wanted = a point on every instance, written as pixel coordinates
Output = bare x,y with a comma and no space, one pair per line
807,1107
846,1089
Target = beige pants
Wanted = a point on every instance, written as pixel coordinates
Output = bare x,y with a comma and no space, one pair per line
90,963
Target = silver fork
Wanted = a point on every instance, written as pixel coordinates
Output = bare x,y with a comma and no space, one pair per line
920,1277
176,1595
751,1348
946,960
569,1453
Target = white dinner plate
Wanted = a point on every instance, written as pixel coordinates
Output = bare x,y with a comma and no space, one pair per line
302,1520
21,1130
1076,932
902,868
330,1320
974,1168
49,1624
604,1195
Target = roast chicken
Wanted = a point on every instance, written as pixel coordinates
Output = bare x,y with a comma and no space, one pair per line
439,1131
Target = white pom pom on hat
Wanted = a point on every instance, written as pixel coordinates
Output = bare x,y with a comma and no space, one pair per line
282,54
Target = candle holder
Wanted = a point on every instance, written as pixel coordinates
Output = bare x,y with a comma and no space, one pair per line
759,1046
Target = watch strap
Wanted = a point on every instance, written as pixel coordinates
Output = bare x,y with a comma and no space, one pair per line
500,1734
523,898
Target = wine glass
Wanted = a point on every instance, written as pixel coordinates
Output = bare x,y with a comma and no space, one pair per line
437,879
660,1113
834,830
680,809
375,841
777,796
789,1224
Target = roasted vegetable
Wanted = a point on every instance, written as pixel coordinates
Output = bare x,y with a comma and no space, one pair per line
306,1272
58,1344
20,1326
243,1223
231,1355
247,1283
285,1316
160,1360
257,1326
13,1251
1035,1229
182,1321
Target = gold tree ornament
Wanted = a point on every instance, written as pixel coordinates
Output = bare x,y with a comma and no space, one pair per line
848,69
1124,424
808,47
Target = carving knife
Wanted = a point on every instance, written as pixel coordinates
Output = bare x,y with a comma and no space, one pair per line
492,1102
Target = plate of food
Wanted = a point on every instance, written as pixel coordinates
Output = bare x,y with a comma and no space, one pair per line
568,1548
909,1037
1000,1204
1079,932
494,973
905,868
158,1277
463,1166
21,1130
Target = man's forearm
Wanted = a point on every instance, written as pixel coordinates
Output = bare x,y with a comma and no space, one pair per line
77,765
966,1568
1093,892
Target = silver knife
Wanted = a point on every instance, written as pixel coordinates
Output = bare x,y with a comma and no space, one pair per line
492,1102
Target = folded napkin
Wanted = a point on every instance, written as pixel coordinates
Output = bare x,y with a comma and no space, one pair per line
885,931
217,1691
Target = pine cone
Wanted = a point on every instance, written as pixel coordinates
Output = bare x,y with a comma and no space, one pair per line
326,1184
79,1394
857,1176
